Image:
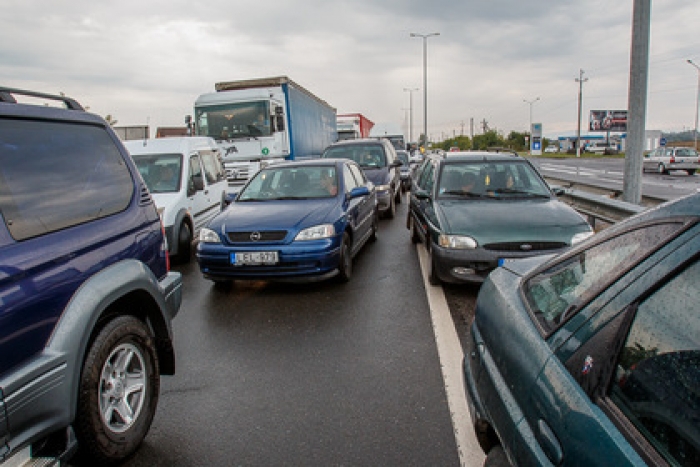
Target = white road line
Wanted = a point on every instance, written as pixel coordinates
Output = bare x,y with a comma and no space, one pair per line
451,354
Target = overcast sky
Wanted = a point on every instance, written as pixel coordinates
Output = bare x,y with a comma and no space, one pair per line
145,62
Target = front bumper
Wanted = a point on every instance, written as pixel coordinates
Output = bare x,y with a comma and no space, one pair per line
384,199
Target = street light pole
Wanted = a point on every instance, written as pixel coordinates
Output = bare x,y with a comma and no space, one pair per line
410,113
425,80
697,106
580,80
529,149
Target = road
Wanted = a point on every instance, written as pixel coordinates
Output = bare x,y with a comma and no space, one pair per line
609,173
313,374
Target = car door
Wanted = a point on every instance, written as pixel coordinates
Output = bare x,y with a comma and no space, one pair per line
4,433
361,210
214,183
198,193
422,200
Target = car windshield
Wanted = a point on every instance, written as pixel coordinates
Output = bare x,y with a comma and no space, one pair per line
161,172
368,156
288,183
497,180
687,152
403,157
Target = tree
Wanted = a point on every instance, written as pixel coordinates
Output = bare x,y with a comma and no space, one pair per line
487,140
462,142
516,140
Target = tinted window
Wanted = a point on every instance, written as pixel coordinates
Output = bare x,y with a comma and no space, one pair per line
75,174
553,293
657,384
161,172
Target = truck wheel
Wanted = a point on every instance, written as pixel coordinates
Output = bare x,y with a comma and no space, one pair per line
118,391
345,264
184,244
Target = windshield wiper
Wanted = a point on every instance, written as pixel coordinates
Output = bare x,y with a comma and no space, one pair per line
468,194
510,191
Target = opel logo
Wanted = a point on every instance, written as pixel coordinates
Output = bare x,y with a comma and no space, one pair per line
526,247
255,236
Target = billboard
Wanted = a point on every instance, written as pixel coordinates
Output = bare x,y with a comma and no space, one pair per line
536,140
608,120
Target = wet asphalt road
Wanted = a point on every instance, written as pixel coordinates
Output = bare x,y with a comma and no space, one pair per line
314,374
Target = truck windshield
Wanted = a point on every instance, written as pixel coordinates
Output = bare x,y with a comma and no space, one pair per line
235,120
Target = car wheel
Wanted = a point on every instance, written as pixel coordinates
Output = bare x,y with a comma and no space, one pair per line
691,171
433,278
391,212
662,169
398,196
496,457
345,265
184,244
118,391
375,228
415,238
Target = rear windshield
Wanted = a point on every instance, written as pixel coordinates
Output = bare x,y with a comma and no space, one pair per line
366,155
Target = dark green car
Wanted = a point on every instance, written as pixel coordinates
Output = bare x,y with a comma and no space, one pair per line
476,210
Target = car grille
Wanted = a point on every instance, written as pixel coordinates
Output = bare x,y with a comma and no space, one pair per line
525,246
257,236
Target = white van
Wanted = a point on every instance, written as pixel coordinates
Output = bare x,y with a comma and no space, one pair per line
188,183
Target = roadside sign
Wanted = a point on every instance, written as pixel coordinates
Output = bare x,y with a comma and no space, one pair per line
662,142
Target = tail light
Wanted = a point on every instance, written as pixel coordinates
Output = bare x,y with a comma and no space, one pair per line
673,159
164,247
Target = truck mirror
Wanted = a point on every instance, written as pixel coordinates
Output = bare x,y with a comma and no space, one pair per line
279,122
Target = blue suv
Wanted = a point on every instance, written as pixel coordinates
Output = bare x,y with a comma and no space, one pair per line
86,295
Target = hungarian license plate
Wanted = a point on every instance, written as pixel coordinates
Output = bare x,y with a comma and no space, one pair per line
254,257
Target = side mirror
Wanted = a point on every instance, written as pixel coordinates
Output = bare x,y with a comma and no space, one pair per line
358,191
558,191
422,194
396,163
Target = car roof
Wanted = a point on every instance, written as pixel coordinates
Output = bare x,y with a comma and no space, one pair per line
474,156
311,162
359,141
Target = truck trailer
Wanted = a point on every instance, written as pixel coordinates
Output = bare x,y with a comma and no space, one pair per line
353,126
258,122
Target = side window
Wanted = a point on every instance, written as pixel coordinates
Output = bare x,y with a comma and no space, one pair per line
213,169
350,181
568,285
657,385
195,173
360,178
56,175
426,180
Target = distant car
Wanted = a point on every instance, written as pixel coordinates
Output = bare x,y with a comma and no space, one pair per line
86,292
551,149
188,183
592,357
602,148
475,210
405,170
665,159
378,160
294,220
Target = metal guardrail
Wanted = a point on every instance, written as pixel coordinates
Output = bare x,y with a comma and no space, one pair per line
599,208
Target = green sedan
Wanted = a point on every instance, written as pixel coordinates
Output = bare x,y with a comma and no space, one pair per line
476,210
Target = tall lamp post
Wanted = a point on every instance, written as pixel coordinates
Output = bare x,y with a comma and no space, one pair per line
580,80
697,105
425,80
529,148
410,113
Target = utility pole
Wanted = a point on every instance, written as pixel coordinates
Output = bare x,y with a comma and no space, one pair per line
697,105
580,80
425,79
410,107
637,102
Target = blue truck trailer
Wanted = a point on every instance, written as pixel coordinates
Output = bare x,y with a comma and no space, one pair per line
261,121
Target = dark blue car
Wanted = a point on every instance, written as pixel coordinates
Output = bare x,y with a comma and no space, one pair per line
296,220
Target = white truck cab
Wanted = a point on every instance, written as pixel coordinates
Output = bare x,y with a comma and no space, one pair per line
187,181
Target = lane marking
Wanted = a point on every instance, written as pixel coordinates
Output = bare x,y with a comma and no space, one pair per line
451,355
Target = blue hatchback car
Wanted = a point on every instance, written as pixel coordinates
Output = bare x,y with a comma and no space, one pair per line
295,220
593,357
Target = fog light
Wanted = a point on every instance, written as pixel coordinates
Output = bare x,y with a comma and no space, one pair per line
461,271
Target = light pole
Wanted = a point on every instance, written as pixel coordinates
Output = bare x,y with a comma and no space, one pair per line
697,105
425,80
410,113
580,80
529,148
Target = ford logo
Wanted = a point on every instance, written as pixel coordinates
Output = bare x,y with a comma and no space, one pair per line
526,247
255,236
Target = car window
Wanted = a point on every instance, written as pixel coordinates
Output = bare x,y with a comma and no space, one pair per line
161,172
195,168
213,168
39,194
280,183
350,181
657,385
555,292
359,175
426,180
366,155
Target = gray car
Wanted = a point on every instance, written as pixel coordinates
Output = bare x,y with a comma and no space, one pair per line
665,159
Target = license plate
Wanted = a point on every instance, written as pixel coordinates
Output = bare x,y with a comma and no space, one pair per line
254,257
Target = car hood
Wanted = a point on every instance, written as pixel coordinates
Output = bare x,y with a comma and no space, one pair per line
378,176
494,221
275,215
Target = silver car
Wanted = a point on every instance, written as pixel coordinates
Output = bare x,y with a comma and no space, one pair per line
665,159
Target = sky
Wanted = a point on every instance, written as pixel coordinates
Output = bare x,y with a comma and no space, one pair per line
145,62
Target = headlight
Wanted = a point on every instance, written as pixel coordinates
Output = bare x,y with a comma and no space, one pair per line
316,233
208,236
581,236
383,187
458,242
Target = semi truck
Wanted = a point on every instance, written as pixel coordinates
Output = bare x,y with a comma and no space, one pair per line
353,126
390,131
257,122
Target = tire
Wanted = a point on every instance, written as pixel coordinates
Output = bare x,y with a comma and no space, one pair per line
375,228
184,244
391,212
662,169
433,278
398,198
496,457
415,238
691,171
120,372
345,263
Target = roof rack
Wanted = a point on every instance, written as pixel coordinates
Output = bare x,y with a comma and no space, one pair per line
6,95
